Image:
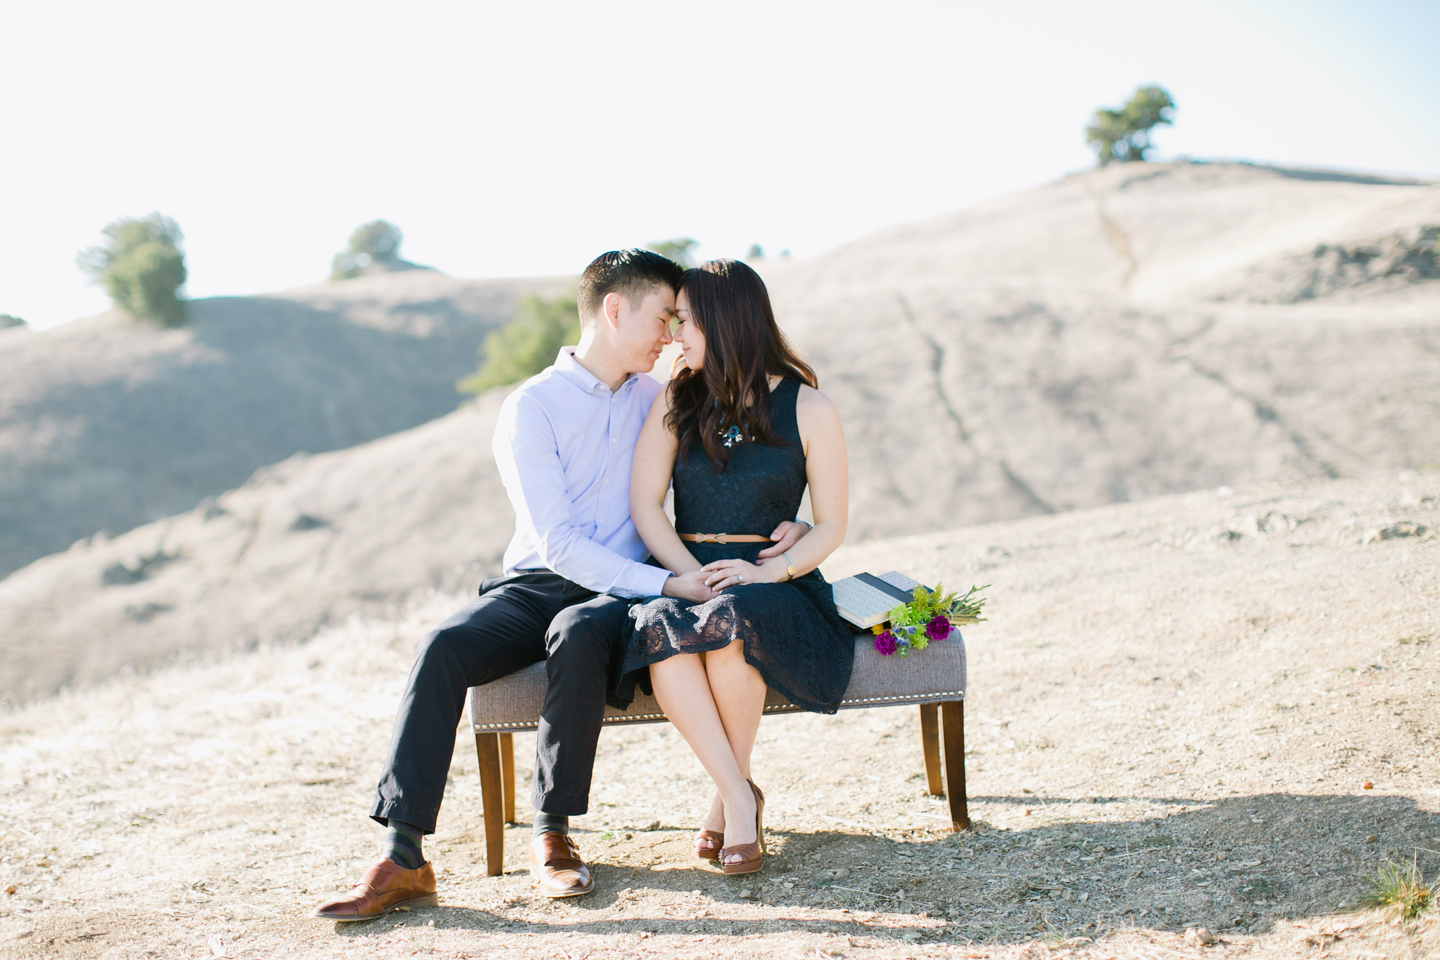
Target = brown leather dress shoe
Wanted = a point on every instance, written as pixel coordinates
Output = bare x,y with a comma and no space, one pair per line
385,888
555,862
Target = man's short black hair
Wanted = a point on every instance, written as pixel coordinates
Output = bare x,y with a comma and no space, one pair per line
630,273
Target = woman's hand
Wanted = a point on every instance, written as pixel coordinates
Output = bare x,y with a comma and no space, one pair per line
723,574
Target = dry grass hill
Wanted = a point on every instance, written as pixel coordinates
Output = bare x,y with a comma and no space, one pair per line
106,423
1116,335
1125,333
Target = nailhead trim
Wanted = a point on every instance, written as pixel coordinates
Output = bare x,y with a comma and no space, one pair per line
897,701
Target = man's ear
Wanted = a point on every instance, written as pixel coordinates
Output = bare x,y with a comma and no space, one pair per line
610,310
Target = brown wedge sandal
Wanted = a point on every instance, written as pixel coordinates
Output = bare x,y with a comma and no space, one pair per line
712,852
750,853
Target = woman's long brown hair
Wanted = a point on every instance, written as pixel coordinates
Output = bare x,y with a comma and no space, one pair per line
743,346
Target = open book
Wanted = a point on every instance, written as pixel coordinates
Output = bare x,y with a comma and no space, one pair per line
866,599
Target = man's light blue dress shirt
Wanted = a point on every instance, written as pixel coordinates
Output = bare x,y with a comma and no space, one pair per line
564,444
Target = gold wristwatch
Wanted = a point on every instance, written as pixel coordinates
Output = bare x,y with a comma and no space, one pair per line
789,566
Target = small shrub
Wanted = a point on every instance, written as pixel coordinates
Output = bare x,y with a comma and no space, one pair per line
1124,134
7,321
677,249
526,345
141,267
375,242
1401,891
118,574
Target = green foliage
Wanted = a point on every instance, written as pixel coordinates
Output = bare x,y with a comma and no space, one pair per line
909,621
7,321
677,249
929,604
141,267
375,242
924,608
526,345
756,252
1124,134
1401,891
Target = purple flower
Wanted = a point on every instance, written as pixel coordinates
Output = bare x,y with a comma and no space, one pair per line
885,643
938,628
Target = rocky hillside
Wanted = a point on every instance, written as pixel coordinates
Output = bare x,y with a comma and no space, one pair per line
1111,337
1114,336
106,423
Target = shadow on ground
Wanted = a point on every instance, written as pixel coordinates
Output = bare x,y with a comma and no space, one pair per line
1076,868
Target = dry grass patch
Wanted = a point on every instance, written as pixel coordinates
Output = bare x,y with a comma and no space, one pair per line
1401,891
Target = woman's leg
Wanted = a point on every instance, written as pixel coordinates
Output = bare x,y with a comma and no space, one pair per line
739,694
715,816
683,692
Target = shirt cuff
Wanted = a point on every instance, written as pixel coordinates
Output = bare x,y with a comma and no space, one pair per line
646,581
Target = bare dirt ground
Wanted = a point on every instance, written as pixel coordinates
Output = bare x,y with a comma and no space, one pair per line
1173,711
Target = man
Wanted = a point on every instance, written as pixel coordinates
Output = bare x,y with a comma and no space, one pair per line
563,446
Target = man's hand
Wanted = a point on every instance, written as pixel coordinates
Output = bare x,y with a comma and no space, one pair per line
788,534
689,586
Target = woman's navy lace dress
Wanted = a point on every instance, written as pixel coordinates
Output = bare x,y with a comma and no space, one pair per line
791,631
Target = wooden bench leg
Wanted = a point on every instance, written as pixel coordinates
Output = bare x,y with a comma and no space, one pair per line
507,764
930,746
487,749
952,717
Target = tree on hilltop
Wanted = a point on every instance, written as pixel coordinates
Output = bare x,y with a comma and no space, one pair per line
376,242
7,321
141,266
676,248
526,345
1124,134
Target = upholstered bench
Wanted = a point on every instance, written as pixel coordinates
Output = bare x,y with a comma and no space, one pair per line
933,678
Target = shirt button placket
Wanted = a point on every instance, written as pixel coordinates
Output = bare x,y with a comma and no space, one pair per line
609,464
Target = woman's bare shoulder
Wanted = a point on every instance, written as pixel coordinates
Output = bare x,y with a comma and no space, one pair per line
811,400
815,413
665,398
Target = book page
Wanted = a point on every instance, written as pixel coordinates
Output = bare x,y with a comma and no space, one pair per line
897,579
861,599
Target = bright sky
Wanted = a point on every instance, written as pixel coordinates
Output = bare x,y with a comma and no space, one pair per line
514,139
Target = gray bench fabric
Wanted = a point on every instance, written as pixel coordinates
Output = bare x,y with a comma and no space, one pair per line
933,675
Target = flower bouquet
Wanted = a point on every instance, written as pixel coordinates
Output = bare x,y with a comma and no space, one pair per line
931,615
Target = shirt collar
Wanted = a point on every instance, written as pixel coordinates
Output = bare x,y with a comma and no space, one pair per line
570,369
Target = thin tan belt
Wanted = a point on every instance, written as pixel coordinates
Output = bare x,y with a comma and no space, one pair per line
723,538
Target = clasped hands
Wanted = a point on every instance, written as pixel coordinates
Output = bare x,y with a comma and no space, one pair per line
714,578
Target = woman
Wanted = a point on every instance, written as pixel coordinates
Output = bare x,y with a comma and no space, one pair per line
740,430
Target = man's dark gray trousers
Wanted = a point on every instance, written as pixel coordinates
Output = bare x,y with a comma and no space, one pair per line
515,621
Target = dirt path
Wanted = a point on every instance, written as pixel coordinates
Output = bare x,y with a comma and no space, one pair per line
1173,710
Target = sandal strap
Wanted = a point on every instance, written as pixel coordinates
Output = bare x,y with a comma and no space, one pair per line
746,852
